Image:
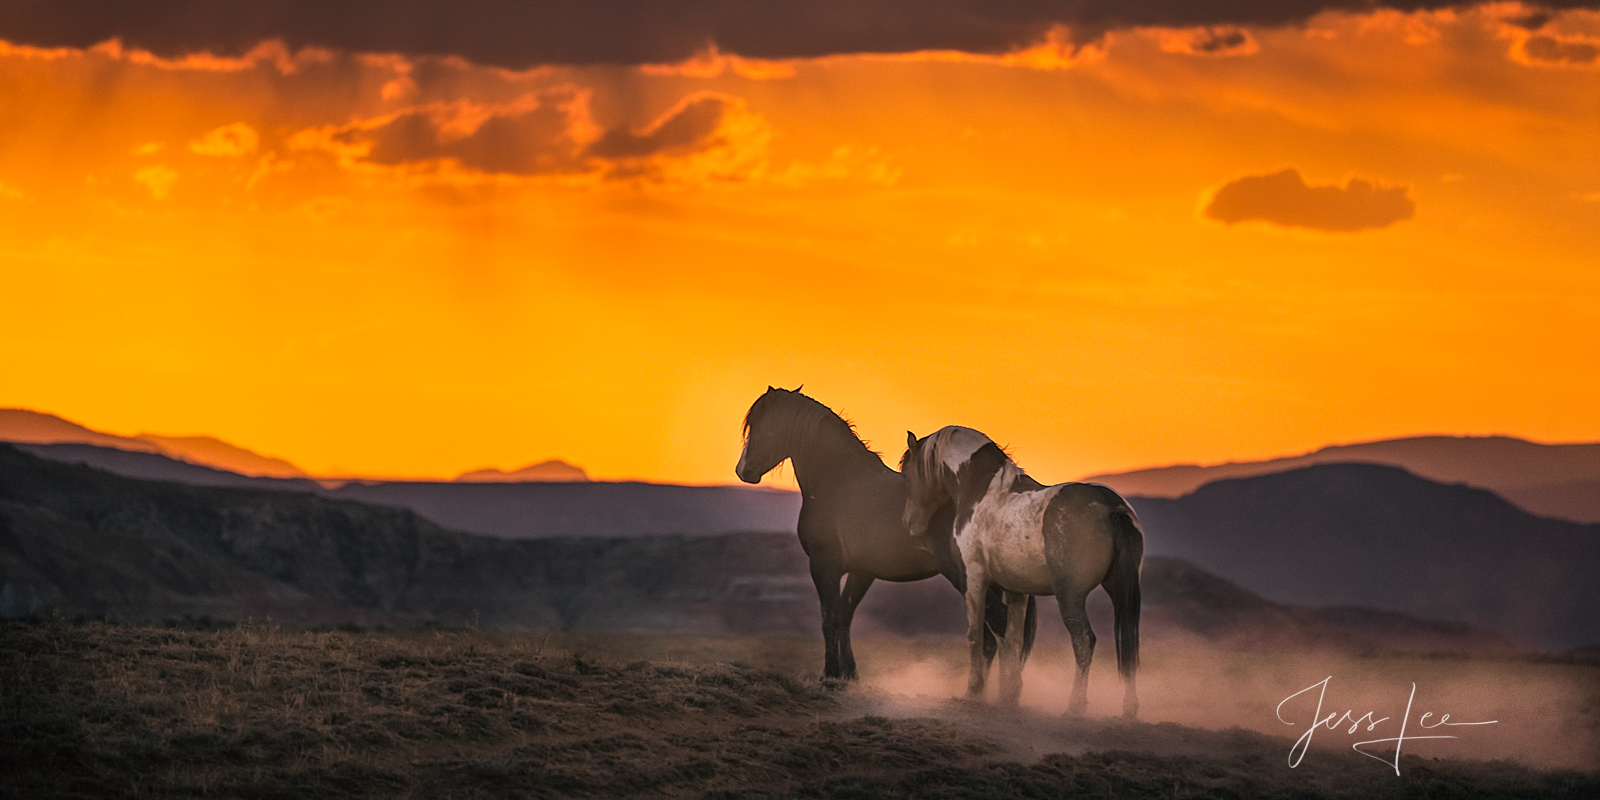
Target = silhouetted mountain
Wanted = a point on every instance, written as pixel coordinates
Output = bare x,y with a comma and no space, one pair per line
1367,535
553,470
543,510
21,426
74,539
36,427
158,467
520,510
506,510
1553,480
214,452
1578,501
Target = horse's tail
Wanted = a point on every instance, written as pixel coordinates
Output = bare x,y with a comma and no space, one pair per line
1030,627
1122,583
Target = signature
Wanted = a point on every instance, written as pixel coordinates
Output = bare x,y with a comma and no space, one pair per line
1335,720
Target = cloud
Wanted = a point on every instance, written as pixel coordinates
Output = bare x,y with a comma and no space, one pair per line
1284,198
1557,50
520,34
1216,40
534,135
237,139
686,128
539,134
158,179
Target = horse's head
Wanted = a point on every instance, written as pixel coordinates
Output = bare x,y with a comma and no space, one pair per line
925,486
767,439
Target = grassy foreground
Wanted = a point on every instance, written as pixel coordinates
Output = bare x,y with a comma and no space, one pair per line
91,709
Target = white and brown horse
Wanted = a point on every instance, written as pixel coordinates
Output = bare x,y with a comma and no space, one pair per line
851,518
1029,539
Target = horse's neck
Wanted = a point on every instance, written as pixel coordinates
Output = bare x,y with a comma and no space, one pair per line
829,455
986,467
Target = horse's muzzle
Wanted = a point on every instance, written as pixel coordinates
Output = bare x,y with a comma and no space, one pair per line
741,469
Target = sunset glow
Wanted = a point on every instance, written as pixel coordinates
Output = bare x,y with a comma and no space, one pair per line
1161,245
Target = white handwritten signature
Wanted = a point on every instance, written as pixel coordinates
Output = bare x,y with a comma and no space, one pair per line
1334,720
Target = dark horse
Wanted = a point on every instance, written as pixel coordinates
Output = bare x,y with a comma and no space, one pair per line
851,512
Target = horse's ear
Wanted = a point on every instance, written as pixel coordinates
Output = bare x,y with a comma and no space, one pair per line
770,389
798,388
911,440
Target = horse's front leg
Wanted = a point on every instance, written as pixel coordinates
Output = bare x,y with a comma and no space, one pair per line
826,577
1010,658
854,589
977,589
1076,619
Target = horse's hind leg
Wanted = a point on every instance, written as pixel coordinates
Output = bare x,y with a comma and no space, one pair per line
826,577
1077,622
1011,649
855,587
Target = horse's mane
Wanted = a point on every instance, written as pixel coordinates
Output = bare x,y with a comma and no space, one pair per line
933,445
803,413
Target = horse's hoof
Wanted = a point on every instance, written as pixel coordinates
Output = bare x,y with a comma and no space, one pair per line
835,684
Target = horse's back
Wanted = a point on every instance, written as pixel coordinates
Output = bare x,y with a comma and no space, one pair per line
1089,495
1081,532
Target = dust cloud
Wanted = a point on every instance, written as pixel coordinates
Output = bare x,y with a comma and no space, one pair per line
1546,714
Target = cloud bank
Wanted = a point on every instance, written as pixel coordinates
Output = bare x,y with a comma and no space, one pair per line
1284,199
545,133
519,34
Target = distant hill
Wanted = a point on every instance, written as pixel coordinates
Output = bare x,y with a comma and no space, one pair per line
1555,480
22,425
602,509
1368,535
159,467
222,455
520,510
19,425
74,539
1331,535
554,470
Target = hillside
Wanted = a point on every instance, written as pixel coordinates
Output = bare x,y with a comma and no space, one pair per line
77,540
552,470
22,426
1358,534
521,510
1555,480
543,510
158,467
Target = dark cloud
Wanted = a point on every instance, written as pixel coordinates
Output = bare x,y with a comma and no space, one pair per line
531,142
524,33
1570,50
1217,41
534,136
689,128
1283,198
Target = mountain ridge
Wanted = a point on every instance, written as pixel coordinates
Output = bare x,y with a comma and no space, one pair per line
25,426
78,540
1555,480
1379,536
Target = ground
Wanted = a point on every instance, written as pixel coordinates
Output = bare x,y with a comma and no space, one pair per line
94,709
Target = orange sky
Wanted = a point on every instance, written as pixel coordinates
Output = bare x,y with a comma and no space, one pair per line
388,265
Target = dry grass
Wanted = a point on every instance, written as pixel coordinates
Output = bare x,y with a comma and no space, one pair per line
91,709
